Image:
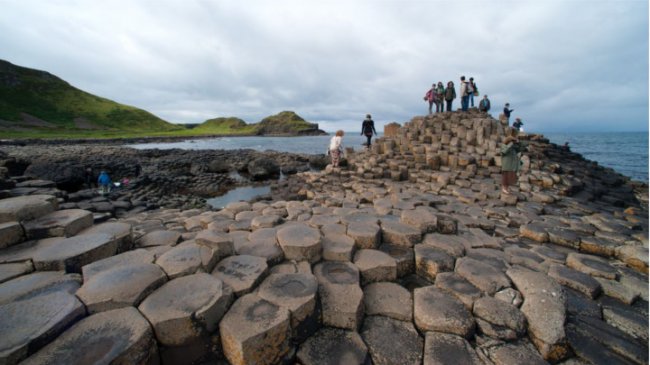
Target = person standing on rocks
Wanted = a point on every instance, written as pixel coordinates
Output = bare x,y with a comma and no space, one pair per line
104,182
440,95
464,94
484,105
89,177
517,124
368,129
335,147
473,91
431,97
450,95
509,163
507,111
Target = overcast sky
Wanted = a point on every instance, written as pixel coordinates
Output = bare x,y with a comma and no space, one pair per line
562,65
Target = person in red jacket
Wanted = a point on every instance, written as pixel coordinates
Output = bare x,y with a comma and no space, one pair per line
432,97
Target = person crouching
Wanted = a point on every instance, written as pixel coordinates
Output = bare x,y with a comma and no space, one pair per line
335,147
509,163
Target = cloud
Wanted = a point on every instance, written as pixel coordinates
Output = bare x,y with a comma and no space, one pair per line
561,64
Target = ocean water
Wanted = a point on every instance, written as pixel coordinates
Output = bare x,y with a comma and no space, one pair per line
625,152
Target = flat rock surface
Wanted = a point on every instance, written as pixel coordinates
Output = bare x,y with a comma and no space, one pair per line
389,300
71,254
444,348
300,242
391,341
435,310
37,283
241,272
28,207
66,223
331,346
129,257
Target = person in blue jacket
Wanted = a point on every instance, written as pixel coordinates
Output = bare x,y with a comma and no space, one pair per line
104,182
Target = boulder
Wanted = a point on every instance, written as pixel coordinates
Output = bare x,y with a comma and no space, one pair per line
435,310
263,168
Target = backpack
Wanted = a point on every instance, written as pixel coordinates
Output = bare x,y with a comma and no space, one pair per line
469,88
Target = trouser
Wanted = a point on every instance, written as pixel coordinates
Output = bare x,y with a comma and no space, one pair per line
440,106
464,103
336,156
369,136
431,107
471,99
449,105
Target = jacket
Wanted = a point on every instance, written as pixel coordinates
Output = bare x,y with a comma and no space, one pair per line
463,89
450,93
335,143
368,127
507,112
103,179
510,157
484,105
440,91
430,95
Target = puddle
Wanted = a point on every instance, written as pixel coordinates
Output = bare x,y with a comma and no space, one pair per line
244,193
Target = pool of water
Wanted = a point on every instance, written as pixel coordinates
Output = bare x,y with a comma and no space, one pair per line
244,193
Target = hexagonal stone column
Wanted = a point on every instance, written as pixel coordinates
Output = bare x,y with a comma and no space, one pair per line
184,309
72,253
123,286
28,207
241,272
296,292
38,283
484,276
300,242
404,257
444,348
159,238
435,310
186,259
255,331
389,300
333,346
61,223
120,230
375,266
10,271
221,242
337,247
340,294
120,336
129,257
400,234
498,319
431,261
28,324
10,234
364,234
391,341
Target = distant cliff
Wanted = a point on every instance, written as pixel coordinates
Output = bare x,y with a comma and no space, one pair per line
286,123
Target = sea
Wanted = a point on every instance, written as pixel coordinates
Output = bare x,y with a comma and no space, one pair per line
625,152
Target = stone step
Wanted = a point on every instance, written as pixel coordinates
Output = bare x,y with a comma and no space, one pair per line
60,223
26,208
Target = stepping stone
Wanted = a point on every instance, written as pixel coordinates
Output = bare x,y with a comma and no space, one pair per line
421,219
524,257
498,319
389,300
337,247
564,237
120,336
241,272
220,242
435,310
340,294
545,310
375,266
28,324
185,309
268,250
328,229
431,261
617,290
265,221
478,239
264,234
451,244
460,288
483,276
129,257
333,346
598,246
391,341
186,259
238,207
123,286
255,331
38,283
298,293
14,270
404,258
246,215
10,234
399,234
535,232
636,282
626,318
521,352
321,220
635,257
592,265
300,242
365,235
121,231
72,253
575,279
580,305
495,258
444,348
550,253
159,238
25,208
61,223
240,225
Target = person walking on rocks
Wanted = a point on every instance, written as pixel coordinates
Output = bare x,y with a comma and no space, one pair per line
464,94
450,95
335,147
484,105
368,129
509,163
104,182
431,97
440,93
472,90
507,111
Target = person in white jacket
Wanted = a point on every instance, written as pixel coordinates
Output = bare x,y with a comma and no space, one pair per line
335,147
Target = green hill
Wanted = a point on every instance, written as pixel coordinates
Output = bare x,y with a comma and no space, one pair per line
286,123
37,102
229,125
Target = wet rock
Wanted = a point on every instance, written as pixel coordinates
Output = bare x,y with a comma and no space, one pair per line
391,341
483,276
129,257
25,208
28,324
10,234
61,223
435,310
241,272
331,346
120,336
120,287
340,294
389,300
300,242
499,320
375,266
263,168
184,309
575,280
187,259
255,331
72,253
444,348
431,261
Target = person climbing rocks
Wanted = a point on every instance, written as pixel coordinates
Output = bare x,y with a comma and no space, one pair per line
509,163
450,95
507,111
335,147
484,104
104,182
432,98
368,129
440,93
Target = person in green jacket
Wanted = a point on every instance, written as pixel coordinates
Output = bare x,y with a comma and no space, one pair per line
509,163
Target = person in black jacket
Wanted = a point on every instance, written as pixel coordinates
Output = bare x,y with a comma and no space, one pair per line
368,129
507,111
484,105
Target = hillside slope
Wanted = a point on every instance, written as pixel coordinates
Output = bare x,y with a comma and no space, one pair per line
286,123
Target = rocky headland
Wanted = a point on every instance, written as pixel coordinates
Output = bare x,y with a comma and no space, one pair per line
409,254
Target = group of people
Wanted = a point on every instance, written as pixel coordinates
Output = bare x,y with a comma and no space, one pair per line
104,181
335,147
441,95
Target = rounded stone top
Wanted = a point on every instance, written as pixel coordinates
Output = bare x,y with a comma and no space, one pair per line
298,235
335,272
284,286
251,314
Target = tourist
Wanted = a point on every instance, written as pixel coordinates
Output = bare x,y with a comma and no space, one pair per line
104,182
440,93
450,95
517,124
472,90
507,111
509,163
484,105
431,97
335,148
368,129
464,94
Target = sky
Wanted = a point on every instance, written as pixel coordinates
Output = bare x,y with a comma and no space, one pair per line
563,65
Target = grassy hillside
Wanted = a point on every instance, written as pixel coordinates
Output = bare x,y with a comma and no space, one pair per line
230,125
284,123
36,102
